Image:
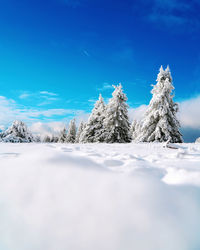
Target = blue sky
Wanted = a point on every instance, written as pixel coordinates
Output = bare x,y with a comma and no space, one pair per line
57,55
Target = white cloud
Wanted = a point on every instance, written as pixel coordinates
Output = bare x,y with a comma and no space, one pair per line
190,113
137,113
11,111
54,128
42,97
48,93
24,96
47,128
105,86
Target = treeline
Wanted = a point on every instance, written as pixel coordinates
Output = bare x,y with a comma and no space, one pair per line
110,123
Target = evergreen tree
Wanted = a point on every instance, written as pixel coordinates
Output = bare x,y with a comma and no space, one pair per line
37,138
54,139
71,135
116,122
80,130
94,127
17,132
135,126
160,123
47,139
63,136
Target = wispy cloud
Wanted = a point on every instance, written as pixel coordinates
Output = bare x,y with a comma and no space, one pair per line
181,13
11,111
86,53
41,97
47,93
24,96
105,86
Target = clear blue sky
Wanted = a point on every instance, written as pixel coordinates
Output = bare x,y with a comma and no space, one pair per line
74,49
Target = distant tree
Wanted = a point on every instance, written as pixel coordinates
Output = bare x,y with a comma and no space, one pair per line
37,138
62,138
71,134
17,132
80,131
160,123
47,139
116,123
94,127
54,139
135,129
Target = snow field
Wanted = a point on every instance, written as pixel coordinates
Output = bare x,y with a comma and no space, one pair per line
99,196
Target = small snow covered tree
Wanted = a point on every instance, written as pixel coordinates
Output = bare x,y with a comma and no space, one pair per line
160,123
47,139
37,138
63,136
94,127
135,127
71,134
80,131
116,123
17,132
54,139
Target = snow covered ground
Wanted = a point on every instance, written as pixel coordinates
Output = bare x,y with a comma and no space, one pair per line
99,197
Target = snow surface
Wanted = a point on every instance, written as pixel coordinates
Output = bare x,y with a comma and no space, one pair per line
99,197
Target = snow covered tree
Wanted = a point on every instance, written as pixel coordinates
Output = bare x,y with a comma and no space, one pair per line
79,132
63,136
116,123
135,129
37,138
94,127
54,139
47,139
160,123
17,132
71,134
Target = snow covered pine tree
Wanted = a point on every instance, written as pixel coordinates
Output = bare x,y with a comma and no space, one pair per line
17,132
80,130
116,122
71,134
135,127
94,127
160,123
63,136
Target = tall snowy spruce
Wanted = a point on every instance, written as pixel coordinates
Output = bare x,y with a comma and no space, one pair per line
17,132
160,123
116,122
94,127
71,134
